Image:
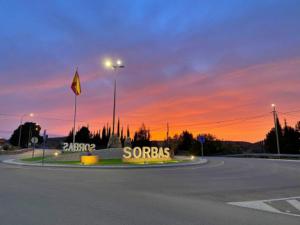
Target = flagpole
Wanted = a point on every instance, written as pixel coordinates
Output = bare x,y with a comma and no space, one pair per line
77,91
75,110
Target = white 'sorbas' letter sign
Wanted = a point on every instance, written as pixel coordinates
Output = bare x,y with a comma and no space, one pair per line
78,147
146,154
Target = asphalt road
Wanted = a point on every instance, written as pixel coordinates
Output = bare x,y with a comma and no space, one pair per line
186,196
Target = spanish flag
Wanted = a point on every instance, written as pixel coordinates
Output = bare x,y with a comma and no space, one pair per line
76,87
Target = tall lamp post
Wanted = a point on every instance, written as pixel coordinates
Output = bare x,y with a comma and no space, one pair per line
30,133
114,141
276,127
21,124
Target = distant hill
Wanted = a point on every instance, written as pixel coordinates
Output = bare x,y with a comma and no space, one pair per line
245,147
235,146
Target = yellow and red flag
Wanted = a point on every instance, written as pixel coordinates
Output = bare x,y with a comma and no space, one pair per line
76,87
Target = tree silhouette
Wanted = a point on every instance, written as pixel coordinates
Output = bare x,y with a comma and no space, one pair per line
83,135
118,128
290,140
142,137
212,146
29,130
96,139
297,127
69,138
270,141
109,132
128,132
185,142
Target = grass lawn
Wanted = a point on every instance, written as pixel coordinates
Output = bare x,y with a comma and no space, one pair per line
34,159
101,162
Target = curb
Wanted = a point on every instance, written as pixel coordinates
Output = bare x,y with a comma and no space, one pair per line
197,161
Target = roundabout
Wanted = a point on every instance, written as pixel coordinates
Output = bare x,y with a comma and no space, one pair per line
101,159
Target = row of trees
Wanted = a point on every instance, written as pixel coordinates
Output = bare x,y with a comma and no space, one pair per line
289,139
101,137
187,143
289,142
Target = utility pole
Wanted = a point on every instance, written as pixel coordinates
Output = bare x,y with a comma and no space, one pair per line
29,135
20,131
276,127
44,146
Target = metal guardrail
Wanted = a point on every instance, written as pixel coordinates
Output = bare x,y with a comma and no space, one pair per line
266,156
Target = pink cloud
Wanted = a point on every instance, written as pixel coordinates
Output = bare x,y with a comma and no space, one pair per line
194,102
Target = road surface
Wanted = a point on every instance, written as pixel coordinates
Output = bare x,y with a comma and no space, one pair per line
223,191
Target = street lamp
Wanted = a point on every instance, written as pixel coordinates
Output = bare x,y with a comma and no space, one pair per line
114,65
21,124
276,127
111,64
30,131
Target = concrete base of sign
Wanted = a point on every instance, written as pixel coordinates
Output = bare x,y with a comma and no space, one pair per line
114,142
89,160
109,153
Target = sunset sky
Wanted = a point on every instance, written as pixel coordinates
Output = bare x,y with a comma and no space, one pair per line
204,66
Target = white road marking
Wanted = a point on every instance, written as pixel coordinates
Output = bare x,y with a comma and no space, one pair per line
295,203
263,206
279,199
256,205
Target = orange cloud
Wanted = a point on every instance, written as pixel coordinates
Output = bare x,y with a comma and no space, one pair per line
221,104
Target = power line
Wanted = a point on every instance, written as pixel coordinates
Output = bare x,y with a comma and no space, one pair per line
289,112
207,127
60,119
237,120
42,117
218,123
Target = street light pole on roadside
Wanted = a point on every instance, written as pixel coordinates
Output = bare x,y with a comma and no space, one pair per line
30,134
35,140
118,64
276,127
21,124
